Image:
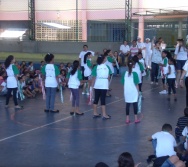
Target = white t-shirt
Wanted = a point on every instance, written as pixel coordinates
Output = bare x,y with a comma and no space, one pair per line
82,54
87,69
148,48
156,56
74,80
141,45
165,144
185,134
124,48
50,71
182,54
101,72
11,80
137,70
173,72
185,67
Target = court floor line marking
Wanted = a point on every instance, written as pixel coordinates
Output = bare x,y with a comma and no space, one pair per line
27,131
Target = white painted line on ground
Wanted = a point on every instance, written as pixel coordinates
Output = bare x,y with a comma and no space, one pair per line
27,131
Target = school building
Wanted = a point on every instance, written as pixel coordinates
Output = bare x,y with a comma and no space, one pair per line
95,20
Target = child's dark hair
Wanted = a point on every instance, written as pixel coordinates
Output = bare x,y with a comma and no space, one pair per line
107,52
42,62
125,160
186,111
20,77
100,59
63,70
101,164
85,46
130,66
75,67
168,54
29,63
49,57
180,40
167,127
35,76
139,53
173,61
135,59
156,42
8,61
68,64
86,56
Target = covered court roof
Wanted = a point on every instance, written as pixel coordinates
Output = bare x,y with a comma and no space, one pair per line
162,12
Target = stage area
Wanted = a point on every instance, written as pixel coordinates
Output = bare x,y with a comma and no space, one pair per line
32,138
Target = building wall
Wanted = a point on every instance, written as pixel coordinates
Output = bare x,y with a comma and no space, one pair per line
55,47
64,9
95,9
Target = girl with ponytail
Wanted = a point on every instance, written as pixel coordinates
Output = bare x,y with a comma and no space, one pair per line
51,73
100,82
75,77
12,83
87,72
131,80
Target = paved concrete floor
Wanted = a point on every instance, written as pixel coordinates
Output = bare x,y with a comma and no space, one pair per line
32,138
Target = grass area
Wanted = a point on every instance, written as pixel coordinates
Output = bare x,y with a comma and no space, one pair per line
37,57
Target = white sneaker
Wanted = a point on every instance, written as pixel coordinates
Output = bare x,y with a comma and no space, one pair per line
161,92
157,83
83,93
87,93
164,92
151,83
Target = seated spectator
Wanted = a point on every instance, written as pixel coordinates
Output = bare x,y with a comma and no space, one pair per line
3,85
126,160
182,122
42,63
172,161
62,66
62,79
163,142
69,67
17,65
36,86
23,69
30,67
23,88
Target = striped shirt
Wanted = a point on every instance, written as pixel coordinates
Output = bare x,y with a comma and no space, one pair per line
182,122
134,50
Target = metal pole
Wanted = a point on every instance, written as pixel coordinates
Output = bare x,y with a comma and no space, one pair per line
76,20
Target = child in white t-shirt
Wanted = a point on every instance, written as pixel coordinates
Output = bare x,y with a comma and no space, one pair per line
3,87
164,71
163,142
171,77
74,80
185,135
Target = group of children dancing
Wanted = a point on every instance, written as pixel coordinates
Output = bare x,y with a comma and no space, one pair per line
95,78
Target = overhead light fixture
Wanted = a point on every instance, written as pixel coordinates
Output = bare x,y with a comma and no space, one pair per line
12,33
55,25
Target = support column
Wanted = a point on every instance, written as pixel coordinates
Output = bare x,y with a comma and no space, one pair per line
141,21
84,20
31,16
141,27
180,29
